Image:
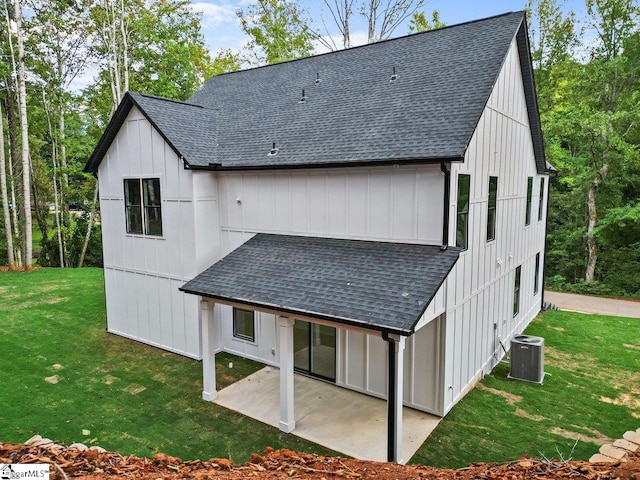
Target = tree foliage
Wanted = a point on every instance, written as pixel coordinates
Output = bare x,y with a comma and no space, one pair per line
589,94
277,31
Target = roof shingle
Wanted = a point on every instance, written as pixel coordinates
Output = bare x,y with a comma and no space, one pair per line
376,285
353,112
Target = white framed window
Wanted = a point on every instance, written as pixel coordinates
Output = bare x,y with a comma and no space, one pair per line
491,208
462,213
244,326
529,198
143,206
541,199
516,292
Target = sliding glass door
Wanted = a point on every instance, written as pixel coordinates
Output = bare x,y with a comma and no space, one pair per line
315,349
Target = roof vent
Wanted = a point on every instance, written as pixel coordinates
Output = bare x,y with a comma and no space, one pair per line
317,82
393,75
274,150
303,98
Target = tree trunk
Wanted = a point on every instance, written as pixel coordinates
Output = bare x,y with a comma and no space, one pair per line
5,198
92,216
57,197
592,246
24,128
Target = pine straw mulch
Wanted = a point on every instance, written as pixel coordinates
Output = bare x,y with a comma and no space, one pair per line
274,464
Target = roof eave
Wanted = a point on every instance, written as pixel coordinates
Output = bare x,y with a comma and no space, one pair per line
304,313
218,167
114,126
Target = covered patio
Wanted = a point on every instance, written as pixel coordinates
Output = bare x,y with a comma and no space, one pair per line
337,418
378,288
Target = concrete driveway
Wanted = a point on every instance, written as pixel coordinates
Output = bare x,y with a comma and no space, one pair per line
588,304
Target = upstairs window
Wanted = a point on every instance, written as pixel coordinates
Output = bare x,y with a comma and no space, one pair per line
536,279
516,292
529,194
243,324
491,208
142,205
541,199
462,220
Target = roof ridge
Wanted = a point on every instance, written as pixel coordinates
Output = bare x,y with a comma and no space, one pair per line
356,47
155,97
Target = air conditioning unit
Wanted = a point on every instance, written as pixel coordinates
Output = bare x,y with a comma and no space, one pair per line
527,358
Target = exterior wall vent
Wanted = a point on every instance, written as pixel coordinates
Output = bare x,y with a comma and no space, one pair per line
527,358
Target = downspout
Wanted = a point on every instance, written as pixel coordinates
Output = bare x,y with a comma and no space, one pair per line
391,399
446,201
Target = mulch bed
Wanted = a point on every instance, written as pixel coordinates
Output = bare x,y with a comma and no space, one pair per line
273,464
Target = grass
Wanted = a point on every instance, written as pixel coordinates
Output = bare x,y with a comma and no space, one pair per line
110,391
592,392
140,400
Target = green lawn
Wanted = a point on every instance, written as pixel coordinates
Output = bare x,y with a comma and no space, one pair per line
593,389
137,399
110,391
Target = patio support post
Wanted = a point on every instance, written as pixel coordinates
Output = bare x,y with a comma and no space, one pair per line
394,396
209,392
285,327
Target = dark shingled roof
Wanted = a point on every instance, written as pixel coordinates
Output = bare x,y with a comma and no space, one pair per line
355,114
375,285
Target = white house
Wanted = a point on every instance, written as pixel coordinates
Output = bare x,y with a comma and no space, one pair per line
374,217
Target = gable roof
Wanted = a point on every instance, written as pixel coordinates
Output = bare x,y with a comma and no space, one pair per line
354,112
376,285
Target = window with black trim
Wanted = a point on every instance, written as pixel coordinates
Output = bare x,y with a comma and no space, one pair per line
529,195
516,292
244,324
491,208
462,220
536,279
541,199
142,205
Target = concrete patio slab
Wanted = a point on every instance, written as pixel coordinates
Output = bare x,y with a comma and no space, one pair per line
334,417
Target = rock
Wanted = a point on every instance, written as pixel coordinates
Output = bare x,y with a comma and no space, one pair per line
613,452
627,445
632,436
78,446
33,439
97,449
599,458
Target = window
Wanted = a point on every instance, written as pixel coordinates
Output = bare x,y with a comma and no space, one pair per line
143,206
462,222
491,208
516,293
243,324
541,199
529,194
536,279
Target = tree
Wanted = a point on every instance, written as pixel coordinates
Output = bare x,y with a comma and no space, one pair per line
24,129
5,198
382,17
419,22
591,121
277,29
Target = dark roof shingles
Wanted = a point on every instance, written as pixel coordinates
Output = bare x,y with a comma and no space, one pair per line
376,285
355,114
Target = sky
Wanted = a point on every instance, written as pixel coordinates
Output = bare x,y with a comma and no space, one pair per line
221,28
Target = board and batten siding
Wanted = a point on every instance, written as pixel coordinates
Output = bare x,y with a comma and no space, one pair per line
143,272
401,204
481,287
